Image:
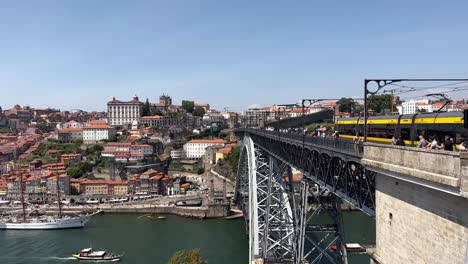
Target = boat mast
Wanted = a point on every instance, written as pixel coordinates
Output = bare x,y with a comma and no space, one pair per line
22,193
58,190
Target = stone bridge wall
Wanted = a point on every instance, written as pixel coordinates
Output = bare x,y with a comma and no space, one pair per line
421,204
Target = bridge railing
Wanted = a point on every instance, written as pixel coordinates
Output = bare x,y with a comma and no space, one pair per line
328,142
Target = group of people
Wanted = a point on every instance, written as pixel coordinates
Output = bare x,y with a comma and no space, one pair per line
434,143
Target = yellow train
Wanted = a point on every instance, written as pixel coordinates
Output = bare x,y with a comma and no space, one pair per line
409,127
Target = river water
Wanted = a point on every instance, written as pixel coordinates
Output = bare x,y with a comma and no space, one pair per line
152,241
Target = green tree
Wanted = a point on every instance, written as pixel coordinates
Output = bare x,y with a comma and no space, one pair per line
191,257
156,112
188,106
79,169
380,102
233,158
345,104
145,110
199,111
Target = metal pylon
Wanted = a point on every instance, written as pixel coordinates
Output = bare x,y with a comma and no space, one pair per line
281,214
324,228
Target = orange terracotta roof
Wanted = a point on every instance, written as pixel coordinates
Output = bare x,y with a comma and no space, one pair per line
111,144
151,117
213,141
70,130
225,151
98,127
157,177
97,122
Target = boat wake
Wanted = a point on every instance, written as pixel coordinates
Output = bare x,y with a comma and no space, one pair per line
64,258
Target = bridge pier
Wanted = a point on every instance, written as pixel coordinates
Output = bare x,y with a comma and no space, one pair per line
421,209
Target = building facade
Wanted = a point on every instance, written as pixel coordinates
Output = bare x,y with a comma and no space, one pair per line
70,134
96,133
196,148
122,113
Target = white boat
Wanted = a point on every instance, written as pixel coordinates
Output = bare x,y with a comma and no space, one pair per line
45,222
92,202
2,202
89,255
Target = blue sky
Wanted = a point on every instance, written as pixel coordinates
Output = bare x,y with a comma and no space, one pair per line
79,54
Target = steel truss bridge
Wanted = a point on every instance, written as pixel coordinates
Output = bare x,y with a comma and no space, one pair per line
283,213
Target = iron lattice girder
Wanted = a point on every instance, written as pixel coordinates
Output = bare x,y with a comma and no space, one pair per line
340,172
272,231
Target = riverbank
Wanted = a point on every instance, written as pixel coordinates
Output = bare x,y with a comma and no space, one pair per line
215,210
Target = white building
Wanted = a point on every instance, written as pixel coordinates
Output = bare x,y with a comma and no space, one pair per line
70,134
122,113
196,148
95,133
413,106
70,124
126,152
178,154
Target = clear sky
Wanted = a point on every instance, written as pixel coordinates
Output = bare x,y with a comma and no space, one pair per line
79,54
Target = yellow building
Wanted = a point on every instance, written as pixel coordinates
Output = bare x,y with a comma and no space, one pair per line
95,187
120,187
222,153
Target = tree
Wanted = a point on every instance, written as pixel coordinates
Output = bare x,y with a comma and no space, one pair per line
199,111
156,112
145,110
191,257
233,158
380,102
188,106
345,104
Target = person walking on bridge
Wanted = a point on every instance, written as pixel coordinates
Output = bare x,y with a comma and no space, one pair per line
422,142
356,143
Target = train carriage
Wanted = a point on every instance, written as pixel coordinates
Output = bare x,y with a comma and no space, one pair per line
409,127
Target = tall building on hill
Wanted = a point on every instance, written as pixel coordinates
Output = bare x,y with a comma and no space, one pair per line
122,113
165,100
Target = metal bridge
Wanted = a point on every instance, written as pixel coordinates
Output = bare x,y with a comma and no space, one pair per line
279,209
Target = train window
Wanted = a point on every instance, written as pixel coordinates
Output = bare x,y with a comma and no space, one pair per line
421,129
347,129
379,131
391,131
461,133
405,132
439,131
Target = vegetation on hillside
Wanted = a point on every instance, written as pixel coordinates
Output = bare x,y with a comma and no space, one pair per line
192,256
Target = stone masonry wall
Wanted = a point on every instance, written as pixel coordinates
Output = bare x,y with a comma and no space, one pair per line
415,224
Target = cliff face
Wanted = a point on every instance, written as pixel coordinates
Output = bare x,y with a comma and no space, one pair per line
224,168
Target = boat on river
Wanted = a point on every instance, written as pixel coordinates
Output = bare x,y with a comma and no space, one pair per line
89,255
45,222
34,222
154,217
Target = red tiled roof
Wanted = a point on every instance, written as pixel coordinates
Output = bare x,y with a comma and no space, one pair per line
70,130
97,122
157,177
98,127
111,144
134,101
151,117
213,141
225,151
